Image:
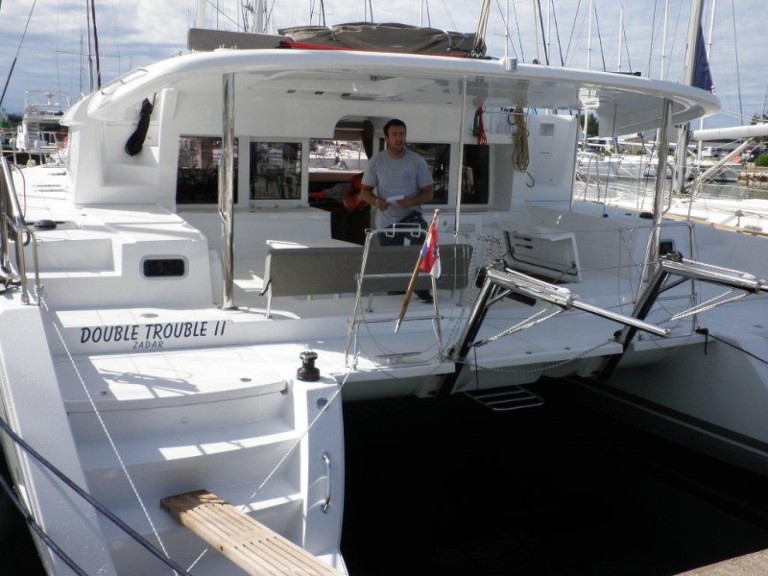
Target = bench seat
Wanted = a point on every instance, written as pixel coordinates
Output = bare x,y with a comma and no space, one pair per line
333,269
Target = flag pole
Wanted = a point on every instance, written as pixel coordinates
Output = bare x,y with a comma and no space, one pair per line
414,276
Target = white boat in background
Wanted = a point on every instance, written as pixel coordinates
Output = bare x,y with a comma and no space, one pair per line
40,132
177,317
728,173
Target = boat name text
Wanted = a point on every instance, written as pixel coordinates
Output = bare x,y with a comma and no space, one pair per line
151,336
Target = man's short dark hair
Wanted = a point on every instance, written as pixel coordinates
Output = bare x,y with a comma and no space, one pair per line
393,122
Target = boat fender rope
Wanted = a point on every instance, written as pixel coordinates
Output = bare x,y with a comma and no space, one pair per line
705,332
739,348
91,500
136,141
39,530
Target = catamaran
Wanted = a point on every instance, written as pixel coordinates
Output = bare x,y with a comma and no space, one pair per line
181,320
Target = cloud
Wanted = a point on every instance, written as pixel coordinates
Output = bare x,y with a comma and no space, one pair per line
138,32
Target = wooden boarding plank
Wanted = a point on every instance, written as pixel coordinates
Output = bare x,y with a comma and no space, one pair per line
245,541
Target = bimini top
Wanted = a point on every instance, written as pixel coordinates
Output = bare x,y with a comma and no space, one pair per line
624,104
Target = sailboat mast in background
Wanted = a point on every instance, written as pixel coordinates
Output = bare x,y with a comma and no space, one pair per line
689,75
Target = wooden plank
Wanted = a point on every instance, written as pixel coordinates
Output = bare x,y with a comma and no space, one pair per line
245,541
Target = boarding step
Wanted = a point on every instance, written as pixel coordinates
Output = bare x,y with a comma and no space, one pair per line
506,399
245,541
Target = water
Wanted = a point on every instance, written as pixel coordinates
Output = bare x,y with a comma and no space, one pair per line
448,487
556,490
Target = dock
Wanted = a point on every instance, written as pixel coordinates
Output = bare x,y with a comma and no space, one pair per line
755,564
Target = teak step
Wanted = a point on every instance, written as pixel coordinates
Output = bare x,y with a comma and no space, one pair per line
245,541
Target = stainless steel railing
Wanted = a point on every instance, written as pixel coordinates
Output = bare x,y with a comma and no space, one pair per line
14,230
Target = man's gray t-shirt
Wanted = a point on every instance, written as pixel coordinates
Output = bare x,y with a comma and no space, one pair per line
393,178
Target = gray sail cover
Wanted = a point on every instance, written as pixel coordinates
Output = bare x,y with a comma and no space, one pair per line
391,37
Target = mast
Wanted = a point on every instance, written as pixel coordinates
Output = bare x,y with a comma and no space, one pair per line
589,65
589,36
258,23
200,20
621,28
549,32
664,41
507,40
689,74
709,52
96,44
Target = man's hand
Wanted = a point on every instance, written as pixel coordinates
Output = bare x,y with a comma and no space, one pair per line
424,196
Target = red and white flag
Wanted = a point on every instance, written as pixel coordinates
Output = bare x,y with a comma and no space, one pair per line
430,252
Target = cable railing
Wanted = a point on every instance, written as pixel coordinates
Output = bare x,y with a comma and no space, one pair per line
14,230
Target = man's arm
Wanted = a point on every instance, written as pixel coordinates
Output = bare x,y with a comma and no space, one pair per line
366,193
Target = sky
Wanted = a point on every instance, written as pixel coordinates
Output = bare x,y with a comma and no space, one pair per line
53,56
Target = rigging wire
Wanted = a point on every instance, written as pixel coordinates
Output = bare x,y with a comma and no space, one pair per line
674,37
517,25
708,334
626,47
42,534
15,58
160,555
653,42
543,39
573,29
448,15
506,27
557,33
599,35
220,12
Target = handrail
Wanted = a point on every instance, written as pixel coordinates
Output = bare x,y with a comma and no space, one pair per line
13,218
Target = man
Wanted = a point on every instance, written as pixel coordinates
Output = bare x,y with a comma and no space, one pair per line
403,183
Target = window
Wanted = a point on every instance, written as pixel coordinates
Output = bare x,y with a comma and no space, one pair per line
474,184
275,171
438,159
337,155
197,180
164,267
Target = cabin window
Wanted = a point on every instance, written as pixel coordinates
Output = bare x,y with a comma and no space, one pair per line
164,267
197,180
475,173
275,171
438,159
332,155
